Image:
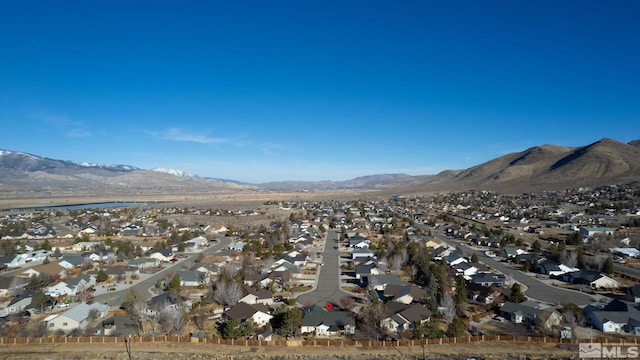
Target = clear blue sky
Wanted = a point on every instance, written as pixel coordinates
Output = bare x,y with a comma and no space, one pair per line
313,90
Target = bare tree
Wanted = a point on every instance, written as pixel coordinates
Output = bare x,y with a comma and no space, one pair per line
228,292
447,307
200,317
136,311
172,321
569,258
16,285
84,292
267,263
396,263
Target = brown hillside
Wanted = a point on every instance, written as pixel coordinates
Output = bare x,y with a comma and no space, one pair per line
546,167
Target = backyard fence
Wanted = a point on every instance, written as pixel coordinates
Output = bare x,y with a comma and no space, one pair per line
312,342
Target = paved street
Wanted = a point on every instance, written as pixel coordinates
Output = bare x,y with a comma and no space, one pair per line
536,289
114,299
327,287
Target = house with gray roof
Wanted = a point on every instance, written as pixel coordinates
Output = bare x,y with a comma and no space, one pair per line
78,317
616,316
405,317
144,263
320,321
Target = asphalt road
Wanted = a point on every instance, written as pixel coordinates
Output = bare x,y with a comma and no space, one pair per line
536,289
327,287
115,298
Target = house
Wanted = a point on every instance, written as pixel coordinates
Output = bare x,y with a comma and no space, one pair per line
433,243
70,287
320,321
77,317
237,246
549,320
200,242
258,313
482,294
122,272
405,294
165,255
27,302
465,269
363,271
552,268
616,316
594,279
10,285
524,312
131,230
359,242
454,258
296,258
591,231
362,253
36,255
85,245
144,263
72,261
488,279
405,318
53,270
192,278
633,293
380,282
510,252
100,256
168,301
253,296
12,261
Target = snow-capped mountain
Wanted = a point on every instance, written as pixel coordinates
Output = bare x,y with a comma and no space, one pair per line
176,172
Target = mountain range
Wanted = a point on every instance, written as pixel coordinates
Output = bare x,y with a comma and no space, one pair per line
545,167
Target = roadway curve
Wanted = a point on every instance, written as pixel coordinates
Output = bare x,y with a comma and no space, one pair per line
536,289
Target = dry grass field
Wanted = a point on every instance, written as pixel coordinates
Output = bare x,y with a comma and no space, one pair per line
178,350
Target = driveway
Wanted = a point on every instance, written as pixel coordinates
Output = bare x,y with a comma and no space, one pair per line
327,288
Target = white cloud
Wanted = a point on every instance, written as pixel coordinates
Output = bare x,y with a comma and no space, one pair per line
182,135
69,127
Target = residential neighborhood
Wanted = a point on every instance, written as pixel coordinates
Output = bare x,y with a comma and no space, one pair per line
558,264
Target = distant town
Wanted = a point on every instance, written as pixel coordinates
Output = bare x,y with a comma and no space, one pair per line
559,264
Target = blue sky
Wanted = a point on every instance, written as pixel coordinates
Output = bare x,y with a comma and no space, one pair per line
305,90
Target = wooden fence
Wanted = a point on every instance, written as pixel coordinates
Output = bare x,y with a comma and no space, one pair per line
312,342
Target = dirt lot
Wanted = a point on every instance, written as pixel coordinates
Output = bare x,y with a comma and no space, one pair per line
162,351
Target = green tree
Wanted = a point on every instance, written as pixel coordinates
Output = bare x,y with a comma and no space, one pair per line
46,245
517,296
456,328
181,247
474,258
287,321
40,301
429,329
536,247
57,253
101,276
461,290
607,267
232,329
174,286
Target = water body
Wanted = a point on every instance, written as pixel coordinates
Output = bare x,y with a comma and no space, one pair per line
95,205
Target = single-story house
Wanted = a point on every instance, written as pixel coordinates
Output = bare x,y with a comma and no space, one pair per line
256,312
12,261
77,317
322,322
